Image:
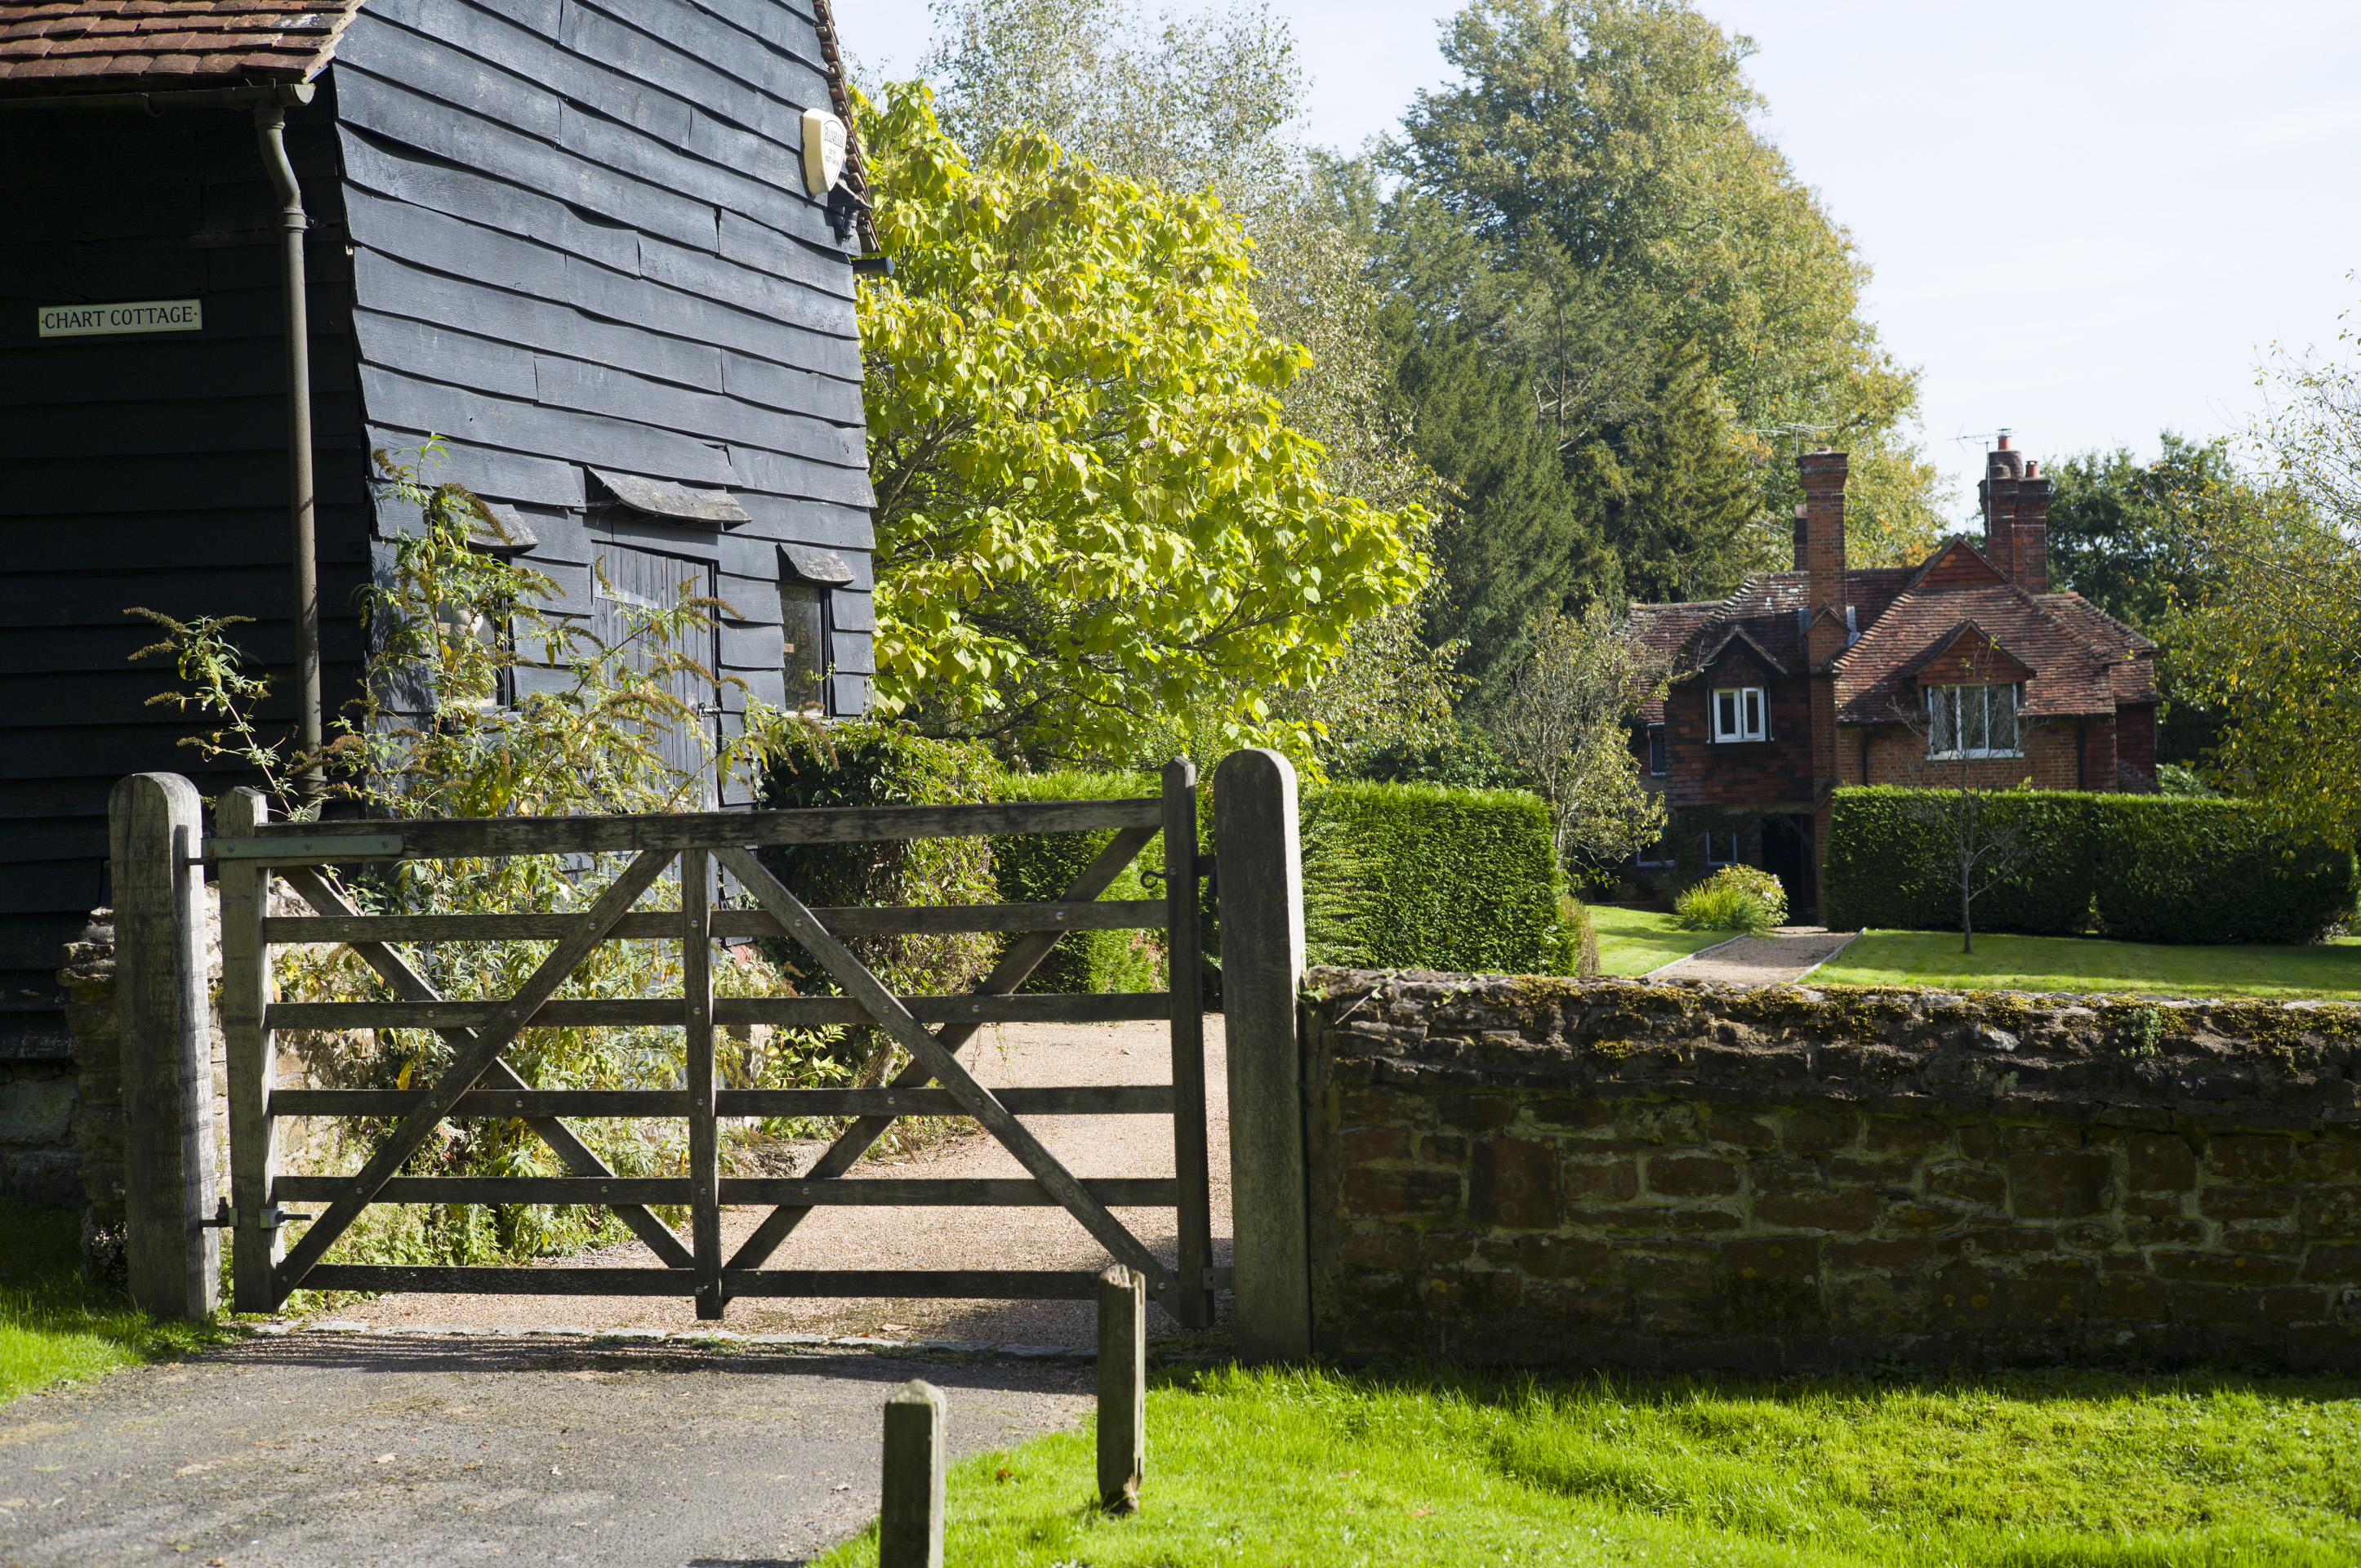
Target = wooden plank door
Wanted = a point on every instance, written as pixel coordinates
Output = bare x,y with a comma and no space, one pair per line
640,579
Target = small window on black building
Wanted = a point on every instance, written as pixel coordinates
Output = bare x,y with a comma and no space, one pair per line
1658,751
803,620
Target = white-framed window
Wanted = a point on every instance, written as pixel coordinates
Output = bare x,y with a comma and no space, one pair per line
1659,753
1721,846
1971,721
1739,714
1662,852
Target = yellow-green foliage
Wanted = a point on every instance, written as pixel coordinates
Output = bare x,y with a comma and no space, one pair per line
1090,507
2079,1470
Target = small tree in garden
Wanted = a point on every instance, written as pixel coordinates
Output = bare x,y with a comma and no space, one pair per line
1563,723
1965,727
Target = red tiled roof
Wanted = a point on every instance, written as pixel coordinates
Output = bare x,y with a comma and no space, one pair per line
98,46
2071,675
2082,660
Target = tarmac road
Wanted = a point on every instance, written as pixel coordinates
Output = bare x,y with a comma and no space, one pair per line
321,1451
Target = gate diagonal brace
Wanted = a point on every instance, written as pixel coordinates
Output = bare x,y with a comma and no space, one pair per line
924,1048
411,986
1023,956
470,1065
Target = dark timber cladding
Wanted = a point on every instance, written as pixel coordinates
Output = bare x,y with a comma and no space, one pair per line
573,240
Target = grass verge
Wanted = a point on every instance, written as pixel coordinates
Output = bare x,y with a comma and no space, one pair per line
2330,970
1312,1469
53,1327
1633,941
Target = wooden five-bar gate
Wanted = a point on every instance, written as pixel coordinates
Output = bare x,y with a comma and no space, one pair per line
247,851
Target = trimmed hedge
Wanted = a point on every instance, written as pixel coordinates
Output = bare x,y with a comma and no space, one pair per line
2145,868
1037,868
1421,876
1395,876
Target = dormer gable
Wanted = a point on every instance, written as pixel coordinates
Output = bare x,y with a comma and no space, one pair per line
1958,565
1967,655
1735,654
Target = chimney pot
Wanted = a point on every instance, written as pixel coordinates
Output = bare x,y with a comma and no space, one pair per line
2032,468
2004,444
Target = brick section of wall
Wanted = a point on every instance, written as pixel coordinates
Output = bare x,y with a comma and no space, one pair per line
1896,756
1521,1170
1749,773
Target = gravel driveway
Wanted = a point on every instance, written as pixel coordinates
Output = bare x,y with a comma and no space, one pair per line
1785,955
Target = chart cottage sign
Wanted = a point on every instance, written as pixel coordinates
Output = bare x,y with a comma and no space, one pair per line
137,315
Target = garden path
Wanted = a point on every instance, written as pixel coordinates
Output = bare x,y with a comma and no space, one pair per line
1783,956
851,1237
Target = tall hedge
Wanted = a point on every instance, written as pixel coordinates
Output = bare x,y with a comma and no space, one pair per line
1421,876
2143,867
1395,876
1037,867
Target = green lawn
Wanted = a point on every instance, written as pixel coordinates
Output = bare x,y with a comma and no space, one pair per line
2330,970
1313,1469
1633,941
54,1327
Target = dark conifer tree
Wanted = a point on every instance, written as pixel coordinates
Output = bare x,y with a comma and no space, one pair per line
1516,540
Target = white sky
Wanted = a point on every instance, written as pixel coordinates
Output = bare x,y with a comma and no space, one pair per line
2089,219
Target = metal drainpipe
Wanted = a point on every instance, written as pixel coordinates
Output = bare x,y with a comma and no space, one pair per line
269,127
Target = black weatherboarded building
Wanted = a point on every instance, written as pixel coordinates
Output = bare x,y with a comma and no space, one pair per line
588,243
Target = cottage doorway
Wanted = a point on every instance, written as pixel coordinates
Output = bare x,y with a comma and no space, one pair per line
1787,855
630,578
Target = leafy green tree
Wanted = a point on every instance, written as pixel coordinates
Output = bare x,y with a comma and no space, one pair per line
1563,725
2277,638
1091,510
1598,158
2119,536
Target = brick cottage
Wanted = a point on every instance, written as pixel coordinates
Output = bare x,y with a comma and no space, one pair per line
1964,668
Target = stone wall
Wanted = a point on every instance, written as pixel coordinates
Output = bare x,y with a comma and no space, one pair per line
38,1158
1613,1172
96,1100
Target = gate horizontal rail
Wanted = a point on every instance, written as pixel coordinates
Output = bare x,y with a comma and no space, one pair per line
879,1192
1109,915
664,1012
916,1284
315,843
1079,1100
249,852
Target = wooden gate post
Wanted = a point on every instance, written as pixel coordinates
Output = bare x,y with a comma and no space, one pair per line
1123,1388
910,1511
252,1057
1262,964
156,829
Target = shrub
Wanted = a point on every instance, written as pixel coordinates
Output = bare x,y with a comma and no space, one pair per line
865,762
1583,936
2148,867
1037,868
1735,898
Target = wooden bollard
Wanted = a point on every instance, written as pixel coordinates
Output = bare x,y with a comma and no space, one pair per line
1123,1388
910,1518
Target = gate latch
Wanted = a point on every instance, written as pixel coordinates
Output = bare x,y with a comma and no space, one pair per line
269,1218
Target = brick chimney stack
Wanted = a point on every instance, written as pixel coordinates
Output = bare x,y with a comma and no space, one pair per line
1823,552
2015,498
